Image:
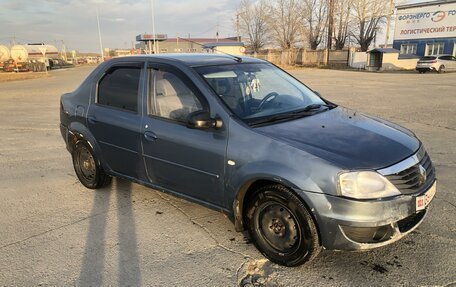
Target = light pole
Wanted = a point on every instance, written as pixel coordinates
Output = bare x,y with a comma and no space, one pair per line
153,26
388,24
99,35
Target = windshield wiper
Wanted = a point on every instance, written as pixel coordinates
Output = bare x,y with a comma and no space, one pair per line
313,107
307,111
279,117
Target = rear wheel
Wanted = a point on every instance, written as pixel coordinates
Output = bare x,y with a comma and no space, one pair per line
281,226
87,167
441,69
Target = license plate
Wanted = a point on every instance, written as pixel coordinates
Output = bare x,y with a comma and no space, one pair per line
424,200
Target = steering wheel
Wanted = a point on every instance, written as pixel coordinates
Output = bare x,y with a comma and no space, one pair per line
268,99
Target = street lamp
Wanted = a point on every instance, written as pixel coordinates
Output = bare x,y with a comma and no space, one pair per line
99,34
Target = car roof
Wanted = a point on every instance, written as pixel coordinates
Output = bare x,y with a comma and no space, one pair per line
194,59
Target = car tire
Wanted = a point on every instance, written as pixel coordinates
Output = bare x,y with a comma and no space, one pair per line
281,226
441,69
87,167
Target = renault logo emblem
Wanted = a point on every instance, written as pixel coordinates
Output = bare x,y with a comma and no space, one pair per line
422,177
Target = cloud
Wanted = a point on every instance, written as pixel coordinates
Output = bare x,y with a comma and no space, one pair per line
74,21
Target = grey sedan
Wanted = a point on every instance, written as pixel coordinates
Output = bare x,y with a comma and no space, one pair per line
242,136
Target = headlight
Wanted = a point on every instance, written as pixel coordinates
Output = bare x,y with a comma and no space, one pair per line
365,185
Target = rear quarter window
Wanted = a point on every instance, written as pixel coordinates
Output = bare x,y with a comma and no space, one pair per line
446,58
119,88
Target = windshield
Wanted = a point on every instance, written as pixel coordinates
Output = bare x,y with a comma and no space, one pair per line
260,91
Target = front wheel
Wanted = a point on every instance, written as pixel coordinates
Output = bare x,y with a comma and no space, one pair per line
87,167
281,226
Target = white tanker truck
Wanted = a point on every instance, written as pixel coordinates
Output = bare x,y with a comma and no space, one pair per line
4,53
35,57
23,53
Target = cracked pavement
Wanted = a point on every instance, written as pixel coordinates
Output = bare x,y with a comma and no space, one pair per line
54,232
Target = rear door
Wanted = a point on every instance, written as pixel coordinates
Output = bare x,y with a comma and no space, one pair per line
114,119
180,159
448,62
453,63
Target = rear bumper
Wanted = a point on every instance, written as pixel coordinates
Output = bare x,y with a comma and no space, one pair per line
426,68
346,224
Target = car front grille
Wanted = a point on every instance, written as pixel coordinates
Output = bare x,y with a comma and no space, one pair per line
411,180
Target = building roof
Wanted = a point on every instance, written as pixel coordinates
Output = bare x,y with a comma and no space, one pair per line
384,50
424,4
194,59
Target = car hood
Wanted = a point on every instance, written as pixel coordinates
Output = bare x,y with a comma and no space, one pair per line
347,138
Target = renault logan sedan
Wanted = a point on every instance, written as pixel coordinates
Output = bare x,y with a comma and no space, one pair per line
242,136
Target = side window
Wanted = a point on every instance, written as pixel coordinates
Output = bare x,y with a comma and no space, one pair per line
170,97
119,88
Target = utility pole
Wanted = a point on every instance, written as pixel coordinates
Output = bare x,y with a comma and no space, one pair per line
64,51
217,33
330,28
99,35
153,25
388,23
237,28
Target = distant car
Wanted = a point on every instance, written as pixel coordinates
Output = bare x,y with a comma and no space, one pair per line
243,137
439,63
59,64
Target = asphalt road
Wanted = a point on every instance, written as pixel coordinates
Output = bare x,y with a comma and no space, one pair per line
54,232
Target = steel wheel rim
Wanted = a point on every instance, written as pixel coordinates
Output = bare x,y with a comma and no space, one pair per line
86,164
279,227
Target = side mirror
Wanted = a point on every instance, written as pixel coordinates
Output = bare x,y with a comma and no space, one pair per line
202,120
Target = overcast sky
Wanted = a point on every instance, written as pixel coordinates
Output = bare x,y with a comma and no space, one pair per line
74,21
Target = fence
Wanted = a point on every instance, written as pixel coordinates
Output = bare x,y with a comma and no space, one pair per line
304,57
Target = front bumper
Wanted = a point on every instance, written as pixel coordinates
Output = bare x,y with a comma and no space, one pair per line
347,224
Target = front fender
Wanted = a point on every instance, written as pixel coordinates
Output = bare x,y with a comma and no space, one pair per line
240,180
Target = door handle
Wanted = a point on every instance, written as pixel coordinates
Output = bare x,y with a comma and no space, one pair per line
150,136
92,119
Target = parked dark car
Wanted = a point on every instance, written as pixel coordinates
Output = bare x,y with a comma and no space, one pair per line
242,136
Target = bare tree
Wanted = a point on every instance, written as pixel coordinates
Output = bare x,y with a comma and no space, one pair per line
251,18
368,15
342,20
315,18
285,20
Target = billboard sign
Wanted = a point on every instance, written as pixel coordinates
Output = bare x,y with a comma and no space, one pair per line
434,21
151,37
